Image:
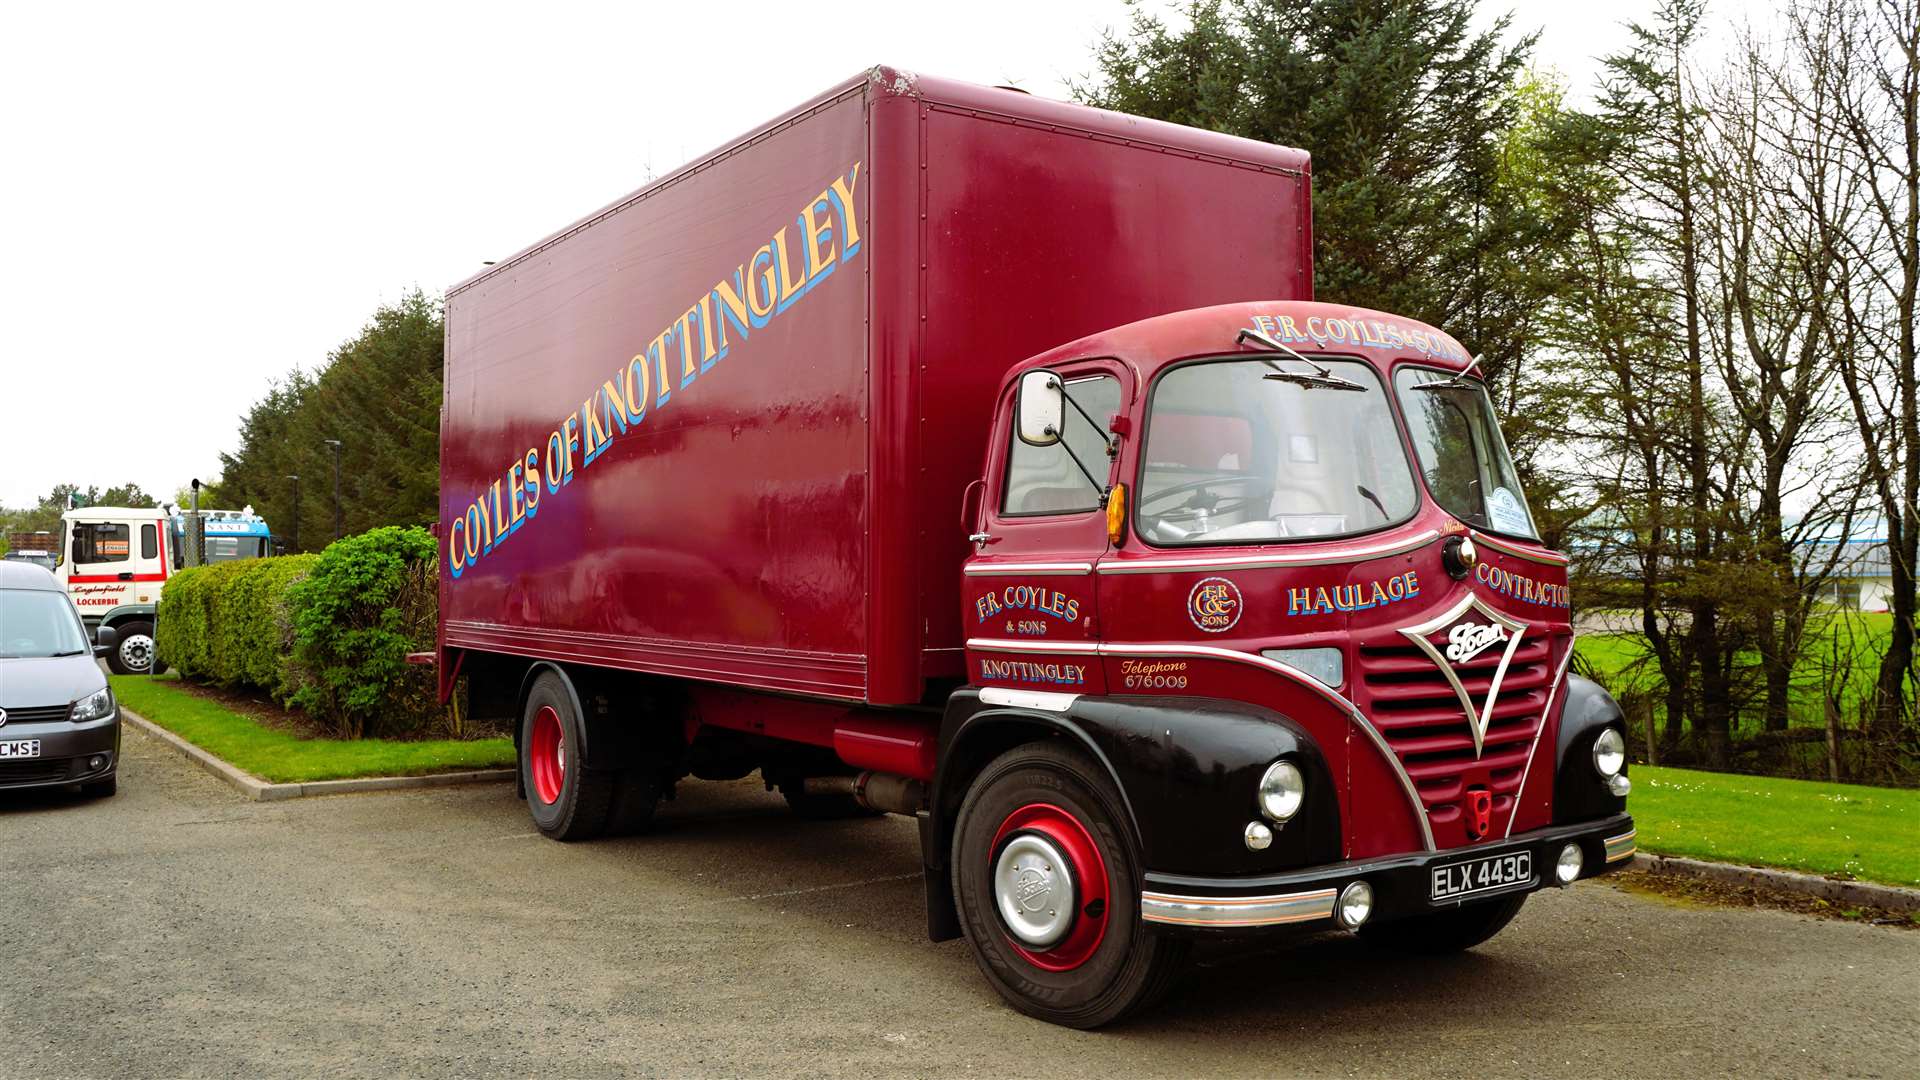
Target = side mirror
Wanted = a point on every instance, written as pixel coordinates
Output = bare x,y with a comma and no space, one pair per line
1041,408
104,640
74,554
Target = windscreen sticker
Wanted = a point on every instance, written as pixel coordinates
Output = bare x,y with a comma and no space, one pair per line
1359,596
1505,514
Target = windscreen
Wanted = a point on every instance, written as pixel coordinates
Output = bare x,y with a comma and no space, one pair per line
38,623
1237,451
1461,452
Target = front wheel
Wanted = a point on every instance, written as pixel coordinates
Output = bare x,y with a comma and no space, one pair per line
1045,874
1445,932
133,654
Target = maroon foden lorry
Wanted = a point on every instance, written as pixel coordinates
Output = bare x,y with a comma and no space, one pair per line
1225,617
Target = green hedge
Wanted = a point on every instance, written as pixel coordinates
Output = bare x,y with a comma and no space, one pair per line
230,623
329,632
370,601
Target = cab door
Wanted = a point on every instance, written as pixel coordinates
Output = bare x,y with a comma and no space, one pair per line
1042,527
113,562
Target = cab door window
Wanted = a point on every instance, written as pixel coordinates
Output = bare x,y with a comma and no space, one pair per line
1043,480
100,542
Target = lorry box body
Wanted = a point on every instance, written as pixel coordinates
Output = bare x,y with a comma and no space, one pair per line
722,428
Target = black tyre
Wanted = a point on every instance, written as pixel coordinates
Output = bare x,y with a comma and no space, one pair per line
1045,879
567,801
1445,932
133,653
101,789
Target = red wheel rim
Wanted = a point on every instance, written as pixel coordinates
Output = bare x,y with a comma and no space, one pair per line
547,755
1085,869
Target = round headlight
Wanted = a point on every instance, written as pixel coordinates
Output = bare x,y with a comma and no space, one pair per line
1609,753
1282,790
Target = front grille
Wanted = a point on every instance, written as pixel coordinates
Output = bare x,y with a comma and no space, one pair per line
40,714
1410,701
34,770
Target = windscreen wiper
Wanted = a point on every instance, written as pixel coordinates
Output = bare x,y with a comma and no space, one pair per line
1458,381
1321,377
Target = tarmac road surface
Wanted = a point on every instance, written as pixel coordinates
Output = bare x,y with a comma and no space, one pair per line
176,929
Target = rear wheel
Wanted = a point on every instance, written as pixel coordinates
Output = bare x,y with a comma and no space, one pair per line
567,801
133,653
1044,880
1445,932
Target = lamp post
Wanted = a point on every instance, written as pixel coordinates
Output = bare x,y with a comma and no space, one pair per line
334,445
295,477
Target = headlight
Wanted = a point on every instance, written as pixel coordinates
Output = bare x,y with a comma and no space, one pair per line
1609,753
1282,790
93,706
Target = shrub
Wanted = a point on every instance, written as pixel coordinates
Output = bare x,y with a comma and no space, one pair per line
229,623
368,602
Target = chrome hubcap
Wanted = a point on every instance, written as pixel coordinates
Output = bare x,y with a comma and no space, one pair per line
1034,890
137,652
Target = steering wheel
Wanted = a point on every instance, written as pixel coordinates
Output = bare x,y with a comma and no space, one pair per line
1259,489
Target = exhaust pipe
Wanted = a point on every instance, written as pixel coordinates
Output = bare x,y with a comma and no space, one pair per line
885,792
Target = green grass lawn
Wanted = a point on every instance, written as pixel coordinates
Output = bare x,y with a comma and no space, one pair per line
1872,833
283,758
1625,662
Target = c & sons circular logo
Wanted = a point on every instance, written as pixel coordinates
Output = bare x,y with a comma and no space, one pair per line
1214,605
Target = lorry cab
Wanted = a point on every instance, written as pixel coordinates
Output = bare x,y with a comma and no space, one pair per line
1269,566
114,560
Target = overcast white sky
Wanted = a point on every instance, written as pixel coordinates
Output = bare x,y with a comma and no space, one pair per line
197,198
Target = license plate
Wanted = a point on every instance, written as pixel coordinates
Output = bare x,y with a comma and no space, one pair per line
1475,876
25,749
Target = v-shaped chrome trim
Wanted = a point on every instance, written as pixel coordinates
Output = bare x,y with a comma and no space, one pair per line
1477,720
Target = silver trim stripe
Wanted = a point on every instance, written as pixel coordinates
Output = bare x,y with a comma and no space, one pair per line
1256,562
1559,677
1548,558
1622,846
1212,652
1027,699
1236,910
1031,569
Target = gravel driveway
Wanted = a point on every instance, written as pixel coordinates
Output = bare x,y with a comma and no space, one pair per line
178,930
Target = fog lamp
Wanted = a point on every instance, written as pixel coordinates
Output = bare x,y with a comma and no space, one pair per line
1282,790
1356,903
1619,786
1566,869
1259,837
96,763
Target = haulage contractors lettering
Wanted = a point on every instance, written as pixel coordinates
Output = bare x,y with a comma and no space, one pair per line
1024,671
1522,588
822,237
1359,596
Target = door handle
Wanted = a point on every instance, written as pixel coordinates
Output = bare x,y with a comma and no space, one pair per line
983,539
126,575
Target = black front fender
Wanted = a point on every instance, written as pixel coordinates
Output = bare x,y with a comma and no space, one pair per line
1578,792
1188,771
